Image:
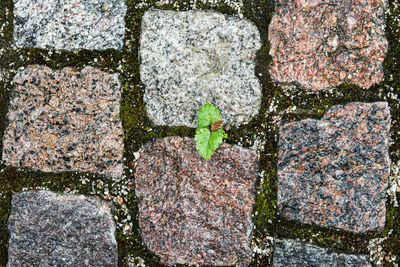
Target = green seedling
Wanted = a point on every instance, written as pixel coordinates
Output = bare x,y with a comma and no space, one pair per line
209,133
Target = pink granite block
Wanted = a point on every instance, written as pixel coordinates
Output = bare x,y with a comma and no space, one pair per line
192,211
64,120
320,44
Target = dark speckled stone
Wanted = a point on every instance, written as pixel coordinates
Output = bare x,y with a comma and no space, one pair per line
48,229
295,254
334,171
192,211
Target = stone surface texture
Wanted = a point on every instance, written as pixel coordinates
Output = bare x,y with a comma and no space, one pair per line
320,44
334,171
69,25
63,120
296,254
195,57
48,229
192,211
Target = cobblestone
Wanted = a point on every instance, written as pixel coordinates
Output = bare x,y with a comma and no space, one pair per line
297,254
334,171
63,120
320,44
196,57
48,229
192,211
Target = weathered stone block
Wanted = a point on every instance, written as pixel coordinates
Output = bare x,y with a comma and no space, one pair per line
320,44
296,254
192,211
197,57
334,171
48,229
70,25
63,120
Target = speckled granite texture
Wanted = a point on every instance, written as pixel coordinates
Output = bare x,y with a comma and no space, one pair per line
320,44
48,229
192,211
196,57
295,254
69,24
334,171
62,120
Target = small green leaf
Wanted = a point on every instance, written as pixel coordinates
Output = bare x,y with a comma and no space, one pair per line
208,140
207,115
202,138
216,139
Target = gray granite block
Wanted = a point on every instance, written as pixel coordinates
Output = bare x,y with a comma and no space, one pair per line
65,120
296,254
196,57
49,229
193,211
319,44
70,25
334,171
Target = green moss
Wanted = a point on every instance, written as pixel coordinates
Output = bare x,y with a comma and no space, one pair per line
391,246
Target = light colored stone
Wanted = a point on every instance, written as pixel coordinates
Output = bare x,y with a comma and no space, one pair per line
196,57
69,24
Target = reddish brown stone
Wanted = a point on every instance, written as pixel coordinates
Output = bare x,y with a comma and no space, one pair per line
320,44
192,211
334,171
61,120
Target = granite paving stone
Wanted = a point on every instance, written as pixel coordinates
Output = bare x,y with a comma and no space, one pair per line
195,57
65,120
320,44
334,171
192,211
296,254
49,229
69,24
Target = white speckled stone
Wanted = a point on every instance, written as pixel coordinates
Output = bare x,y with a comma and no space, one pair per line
69,24
195,57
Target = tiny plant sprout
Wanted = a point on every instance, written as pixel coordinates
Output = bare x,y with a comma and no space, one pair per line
209,133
